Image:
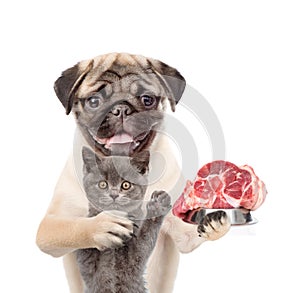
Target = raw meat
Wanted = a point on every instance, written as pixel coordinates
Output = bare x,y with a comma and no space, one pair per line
221,185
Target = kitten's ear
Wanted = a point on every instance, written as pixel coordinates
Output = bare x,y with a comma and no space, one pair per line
90,159
141,162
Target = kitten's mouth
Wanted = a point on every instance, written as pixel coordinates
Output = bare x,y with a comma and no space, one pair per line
121,143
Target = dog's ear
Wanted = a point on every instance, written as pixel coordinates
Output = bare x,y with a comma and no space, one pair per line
172,79
66,86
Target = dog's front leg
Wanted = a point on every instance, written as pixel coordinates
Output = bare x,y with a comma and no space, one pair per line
59,235
187,237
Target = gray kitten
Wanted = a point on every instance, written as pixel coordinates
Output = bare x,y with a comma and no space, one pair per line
119,183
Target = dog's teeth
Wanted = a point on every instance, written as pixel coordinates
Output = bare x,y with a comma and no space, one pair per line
96,138
136,144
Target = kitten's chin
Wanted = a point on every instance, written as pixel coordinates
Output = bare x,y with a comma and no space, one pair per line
113,206
128,207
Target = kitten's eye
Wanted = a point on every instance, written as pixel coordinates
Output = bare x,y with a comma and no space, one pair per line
102,184
126,185
148,101
93,102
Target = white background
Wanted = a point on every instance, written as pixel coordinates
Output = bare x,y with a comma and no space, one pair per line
242,56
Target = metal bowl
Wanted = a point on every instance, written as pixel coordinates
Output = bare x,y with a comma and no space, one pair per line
236,216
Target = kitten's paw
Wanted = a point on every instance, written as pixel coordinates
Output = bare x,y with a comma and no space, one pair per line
159,204
214,225
111,230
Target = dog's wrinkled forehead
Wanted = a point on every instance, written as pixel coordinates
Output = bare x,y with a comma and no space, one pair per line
117,78
119,72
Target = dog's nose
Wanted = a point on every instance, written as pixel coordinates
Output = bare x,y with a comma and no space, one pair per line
121,110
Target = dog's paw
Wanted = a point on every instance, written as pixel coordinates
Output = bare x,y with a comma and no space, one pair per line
159,204
110,230
214,225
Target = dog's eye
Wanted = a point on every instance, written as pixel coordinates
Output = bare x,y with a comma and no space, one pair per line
148,101
93,102
126,185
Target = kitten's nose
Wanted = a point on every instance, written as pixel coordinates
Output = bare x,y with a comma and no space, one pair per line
114,195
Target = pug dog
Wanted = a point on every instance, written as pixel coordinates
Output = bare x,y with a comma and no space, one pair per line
118,101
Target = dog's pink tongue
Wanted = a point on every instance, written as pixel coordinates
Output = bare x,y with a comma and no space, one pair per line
120,138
